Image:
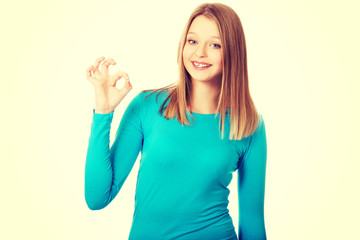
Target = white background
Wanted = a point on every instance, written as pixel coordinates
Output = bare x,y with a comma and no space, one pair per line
302,59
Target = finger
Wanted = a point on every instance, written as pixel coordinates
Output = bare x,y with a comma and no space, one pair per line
88,73
127,84
106,63
97,63
112,61
117,76
126,88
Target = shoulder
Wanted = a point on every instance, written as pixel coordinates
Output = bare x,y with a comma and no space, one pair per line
260,129
147,96
258,138
258,134
148,102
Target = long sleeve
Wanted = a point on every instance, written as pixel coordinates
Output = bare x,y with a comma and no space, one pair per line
251,186
106,169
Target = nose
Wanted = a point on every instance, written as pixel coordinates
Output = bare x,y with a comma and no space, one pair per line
200,51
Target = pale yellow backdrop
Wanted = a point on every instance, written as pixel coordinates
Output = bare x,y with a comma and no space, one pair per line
303,59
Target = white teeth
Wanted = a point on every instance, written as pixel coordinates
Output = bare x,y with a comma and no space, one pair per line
201,65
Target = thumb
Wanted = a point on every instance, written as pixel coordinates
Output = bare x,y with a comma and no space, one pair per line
118,75
126,88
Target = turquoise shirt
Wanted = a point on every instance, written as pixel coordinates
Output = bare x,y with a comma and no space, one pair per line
184,172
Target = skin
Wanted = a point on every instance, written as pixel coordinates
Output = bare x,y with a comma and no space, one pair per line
107,96
203,45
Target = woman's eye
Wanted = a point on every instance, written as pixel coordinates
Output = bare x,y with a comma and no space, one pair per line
215,45
191,41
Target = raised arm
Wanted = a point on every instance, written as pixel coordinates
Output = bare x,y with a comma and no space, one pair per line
107,169
251,187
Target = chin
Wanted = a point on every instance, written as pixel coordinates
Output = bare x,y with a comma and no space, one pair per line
206,79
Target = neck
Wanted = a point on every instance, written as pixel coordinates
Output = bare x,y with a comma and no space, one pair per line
204,97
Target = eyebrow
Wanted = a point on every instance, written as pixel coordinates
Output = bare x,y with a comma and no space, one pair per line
197,34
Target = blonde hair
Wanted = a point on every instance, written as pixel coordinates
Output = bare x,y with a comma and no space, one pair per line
234,92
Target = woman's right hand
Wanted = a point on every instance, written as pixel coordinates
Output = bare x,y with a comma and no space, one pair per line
107,96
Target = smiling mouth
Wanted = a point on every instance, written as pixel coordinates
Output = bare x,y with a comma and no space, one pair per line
201,65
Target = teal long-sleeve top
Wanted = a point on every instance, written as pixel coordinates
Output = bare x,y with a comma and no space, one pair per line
184,173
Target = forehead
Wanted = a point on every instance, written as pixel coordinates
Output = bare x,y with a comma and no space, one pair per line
203,26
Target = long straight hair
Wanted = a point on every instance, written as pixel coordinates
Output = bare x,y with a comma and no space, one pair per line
234,94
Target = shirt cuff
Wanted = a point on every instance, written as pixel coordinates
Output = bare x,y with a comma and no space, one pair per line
102,116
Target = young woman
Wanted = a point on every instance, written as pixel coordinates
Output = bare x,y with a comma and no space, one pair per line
192,134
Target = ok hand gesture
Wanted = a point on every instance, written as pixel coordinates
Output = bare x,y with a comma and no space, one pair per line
107,96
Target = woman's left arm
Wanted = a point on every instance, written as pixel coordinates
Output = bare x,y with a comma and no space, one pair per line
251,186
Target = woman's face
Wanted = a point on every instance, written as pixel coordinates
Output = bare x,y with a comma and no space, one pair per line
202,55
